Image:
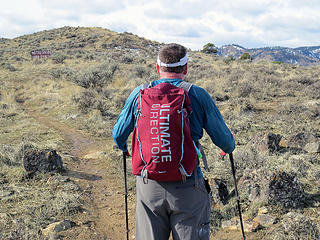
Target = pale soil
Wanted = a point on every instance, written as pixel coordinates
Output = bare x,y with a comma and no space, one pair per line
102,191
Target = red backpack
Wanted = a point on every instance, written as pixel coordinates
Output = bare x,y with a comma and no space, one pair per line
162,146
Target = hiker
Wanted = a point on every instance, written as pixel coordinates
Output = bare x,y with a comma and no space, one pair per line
178,203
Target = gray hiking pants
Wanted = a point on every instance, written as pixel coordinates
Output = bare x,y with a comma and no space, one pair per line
179,207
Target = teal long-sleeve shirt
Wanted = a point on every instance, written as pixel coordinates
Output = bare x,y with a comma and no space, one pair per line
205,115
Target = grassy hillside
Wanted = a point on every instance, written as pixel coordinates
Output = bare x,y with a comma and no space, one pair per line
78,93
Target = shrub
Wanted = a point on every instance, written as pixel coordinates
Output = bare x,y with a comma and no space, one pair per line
313,91
17,59
126,59
141,71
295,226
209,48
95,76
229,59
246,56
244,89
55,73
39,61
8,156
104,45
9,67
58,58
62,72
87,100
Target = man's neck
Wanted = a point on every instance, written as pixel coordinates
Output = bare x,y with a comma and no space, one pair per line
172,75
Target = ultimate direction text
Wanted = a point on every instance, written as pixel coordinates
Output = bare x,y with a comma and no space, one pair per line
159,130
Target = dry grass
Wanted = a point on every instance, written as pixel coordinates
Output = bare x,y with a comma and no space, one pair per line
29,204
86,84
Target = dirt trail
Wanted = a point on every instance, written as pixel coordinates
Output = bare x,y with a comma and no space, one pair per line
105,206
104,190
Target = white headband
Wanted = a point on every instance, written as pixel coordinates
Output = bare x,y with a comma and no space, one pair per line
182,62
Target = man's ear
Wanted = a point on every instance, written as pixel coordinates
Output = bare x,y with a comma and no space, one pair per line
158,68
185,69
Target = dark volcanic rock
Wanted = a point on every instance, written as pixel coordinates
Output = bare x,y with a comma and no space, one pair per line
286,190
266,142
304,141
276,188
41,160
219,191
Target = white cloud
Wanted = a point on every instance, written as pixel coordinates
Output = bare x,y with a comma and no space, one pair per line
193,23
80,7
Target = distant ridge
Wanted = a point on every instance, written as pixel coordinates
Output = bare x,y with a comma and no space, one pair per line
303,56
3,39
99,40
71,41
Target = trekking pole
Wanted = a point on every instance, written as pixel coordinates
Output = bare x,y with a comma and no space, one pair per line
237,194
126,192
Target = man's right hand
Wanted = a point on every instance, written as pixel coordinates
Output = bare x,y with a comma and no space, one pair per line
222,153
127,154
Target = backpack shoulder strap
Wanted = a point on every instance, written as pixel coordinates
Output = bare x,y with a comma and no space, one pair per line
146,85
185,85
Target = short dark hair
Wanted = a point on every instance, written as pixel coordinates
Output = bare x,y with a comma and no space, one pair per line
172,53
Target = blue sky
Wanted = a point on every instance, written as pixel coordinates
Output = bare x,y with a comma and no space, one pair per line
193,23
